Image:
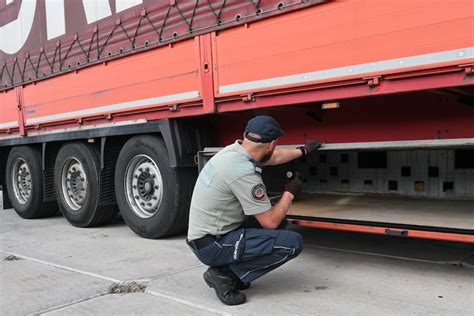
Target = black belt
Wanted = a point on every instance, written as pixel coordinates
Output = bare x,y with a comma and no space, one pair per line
202,242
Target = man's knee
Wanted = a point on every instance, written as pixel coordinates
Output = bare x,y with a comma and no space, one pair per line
293,241
298,243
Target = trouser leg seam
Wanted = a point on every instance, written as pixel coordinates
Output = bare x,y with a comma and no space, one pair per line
267,266
282,247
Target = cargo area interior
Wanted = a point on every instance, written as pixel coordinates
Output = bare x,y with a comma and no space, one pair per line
429,188
371,169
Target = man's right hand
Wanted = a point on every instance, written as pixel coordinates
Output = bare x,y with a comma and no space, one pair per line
311,145
294,184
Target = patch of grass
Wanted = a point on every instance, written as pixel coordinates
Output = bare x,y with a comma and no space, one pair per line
127,287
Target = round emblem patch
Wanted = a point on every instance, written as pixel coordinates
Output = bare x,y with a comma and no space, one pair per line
258,192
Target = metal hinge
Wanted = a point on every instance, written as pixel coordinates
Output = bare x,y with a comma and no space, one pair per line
469,70
248,98
173,108
373,81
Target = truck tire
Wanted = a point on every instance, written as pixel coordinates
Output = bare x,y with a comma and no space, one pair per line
77,183
153,198
24,180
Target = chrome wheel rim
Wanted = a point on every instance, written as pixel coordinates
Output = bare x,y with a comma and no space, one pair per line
143,186
21,180
73,183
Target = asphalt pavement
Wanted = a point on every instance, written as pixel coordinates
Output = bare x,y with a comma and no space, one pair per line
49,267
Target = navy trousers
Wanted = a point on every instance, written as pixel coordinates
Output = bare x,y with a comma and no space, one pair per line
252,251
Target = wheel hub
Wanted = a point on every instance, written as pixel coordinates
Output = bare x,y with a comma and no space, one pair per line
22,184
74,183
147,188
143,184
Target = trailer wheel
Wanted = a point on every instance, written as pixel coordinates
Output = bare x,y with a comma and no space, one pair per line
153,198
77,182
25,183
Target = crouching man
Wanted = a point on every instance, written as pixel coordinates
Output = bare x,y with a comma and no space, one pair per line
233,228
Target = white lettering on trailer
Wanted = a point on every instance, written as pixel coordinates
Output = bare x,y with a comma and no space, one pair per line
55,18
99,9
96,10
15,33
121,5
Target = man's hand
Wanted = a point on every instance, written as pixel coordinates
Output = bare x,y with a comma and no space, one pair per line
311,145
308,148
294,184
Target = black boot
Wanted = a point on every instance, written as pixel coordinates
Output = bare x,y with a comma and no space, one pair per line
238,284
241,286
224,287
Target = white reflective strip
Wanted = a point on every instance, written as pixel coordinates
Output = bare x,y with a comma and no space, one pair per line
236,247
115,107
287,248
87,127
79,128
402,62
73,129
8,124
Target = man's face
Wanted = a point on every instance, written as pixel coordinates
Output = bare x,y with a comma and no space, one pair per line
269,153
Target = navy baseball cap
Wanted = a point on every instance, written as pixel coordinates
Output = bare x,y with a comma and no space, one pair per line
265,126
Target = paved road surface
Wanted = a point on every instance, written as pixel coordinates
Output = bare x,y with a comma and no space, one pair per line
58,269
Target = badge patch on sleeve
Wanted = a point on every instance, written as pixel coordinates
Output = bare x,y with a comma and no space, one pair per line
259,192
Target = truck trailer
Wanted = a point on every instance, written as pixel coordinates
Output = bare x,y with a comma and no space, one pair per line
112,106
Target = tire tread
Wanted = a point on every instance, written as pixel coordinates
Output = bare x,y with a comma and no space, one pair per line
102,214
39,209
177,208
